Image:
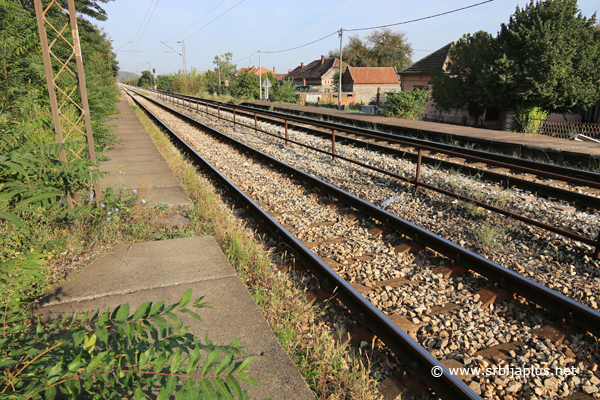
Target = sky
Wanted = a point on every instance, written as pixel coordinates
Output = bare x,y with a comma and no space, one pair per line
243,27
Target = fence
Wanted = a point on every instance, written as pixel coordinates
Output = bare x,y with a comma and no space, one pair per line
569,129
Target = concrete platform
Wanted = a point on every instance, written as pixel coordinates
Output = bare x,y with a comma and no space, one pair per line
574,152
136,163
164,270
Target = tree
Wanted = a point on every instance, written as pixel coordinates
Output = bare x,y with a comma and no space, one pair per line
145,80
245,85
390,48
466,80
223,67
550,58
285,92
336,80
163,82
382,48
407,105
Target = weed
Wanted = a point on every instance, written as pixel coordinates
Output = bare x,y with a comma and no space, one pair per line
473,209
489,235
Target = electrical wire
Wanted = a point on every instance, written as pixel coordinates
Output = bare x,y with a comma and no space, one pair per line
382,26
229,9
147,23
137,33
419,19
243,58
197,21
304,45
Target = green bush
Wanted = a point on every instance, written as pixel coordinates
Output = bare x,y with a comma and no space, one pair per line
530,119
407,105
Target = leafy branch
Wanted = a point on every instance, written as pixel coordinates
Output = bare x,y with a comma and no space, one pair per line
113,353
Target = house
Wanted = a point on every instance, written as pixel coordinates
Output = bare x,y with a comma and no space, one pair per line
418,76
254,70
316,76
370,84
419,73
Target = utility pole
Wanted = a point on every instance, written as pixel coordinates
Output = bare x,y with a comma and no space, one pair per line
66,127
151,75
340,73
184,66
259,76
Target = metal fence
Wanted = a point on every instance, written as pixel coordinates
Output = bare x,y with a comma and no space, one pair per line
564,129
559,129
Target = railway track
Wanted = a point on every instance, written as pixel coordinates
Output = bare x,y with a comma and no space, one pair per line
455,190
369,254
542,178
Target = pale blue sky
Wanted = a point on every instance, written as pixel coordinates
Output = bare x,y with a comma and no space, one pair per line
254,25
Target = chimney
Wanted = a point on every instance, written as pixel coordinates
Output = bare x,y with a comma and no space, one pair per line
322,59
289,70
302,65
274,70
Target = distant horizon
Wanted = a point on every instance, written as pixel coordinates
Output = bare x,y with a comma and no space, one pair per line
246,26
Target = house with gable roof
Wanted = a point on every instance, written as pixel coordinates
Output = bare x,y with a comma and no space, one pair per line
418,75
370,83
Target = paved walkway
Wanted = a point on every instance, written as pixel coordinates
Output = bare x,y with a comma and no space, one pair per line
540,141
164,270
136,163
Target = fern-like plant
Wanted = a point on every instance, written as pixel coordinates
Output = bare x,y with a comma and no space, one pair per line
113,354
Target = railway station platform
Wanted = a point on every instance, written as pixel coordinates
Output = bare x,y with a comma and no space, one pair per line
571,151
136,163
137,273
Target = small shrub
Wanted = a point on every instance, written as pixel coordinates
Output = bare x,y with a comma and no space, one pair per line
529,120
407,105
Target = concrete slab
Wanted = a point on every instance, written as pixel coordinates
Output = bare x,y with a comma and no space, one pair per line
131,168
163,271
136,163
173,196
137,181
141,266
123,153
135,159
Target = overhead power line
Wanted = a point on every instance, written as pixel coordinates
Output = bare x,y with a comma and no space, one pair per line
382,26
212,9
138,32
243,58
304,45
419,19
229,9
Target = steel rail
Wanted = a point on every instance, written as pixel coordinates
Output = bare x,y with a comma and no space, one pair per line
417,359
527,166
505,180
530,221
515,162
575,312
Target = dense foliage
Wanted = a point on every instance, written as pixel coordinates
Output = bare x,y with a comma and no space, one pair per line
545,60
381,48
466,81
407,105
113,354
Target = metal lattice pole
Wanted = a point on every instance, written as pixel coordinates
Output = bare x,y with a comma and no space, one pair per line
67,113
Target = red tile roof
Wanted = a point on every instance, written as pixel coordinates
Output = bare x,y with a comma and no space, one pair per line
424,66
252,69
375,75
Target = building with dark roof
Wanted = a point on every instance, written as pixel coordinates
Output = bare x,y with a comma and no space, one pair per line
316,76
418,74
370,83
